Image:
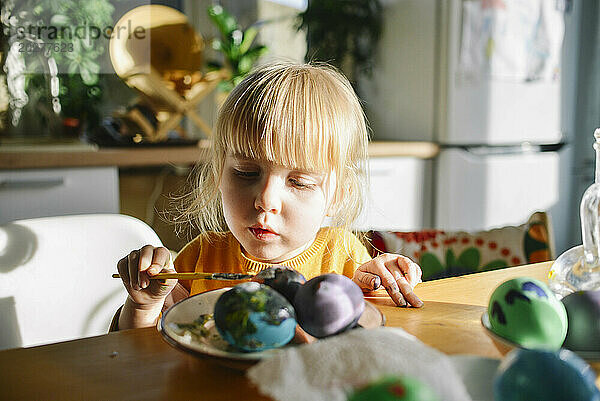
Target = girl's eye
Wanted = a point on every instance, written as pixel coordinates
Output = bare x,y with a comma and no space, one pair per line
245,174
300,183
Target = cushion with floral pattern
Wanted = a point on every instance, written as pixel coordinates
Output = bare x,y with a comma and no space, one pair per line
446,254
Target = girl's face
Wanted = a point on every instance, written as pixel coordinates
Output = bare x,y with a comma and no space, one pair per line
274,212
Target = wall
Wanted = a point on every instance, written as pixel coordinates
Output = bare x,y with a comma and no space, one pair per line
400,99
147,194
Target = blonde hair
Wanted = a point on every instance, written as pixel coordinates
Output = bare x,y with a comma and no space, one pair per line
303,116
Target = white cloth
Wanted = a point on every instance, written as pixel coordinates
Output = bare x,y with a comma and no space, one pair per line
331,368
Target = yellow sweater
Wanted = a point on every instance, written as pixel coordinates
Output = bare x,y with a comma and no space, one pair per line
222,253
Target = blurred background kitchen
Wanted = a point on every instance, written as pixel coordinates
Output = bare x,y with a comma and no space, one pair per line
482,111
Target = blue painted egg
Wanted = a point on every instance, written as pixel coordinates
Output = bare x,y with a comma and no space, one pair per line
528,374
254,317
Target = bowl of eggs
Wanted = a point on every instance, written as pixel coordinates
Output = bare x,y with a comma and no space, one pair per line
253,320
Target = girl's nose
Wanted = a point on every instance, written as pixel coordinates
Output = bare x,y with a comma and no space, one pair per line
268,197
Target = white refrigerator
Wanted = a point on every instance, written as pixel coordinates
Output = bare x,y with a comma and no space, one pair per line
483,80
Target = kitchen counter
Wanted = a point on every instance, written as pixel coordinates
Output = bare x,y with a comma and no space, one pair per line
81,155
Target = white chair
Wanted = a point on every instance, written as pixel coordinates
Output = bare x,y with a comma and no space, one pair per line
55,275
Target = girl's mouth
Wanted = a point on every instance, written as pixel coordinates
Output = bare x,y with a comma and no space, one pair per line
262,234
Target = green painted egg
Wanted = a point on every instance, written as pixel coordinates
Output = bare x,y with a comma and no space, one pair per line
395,388
525,311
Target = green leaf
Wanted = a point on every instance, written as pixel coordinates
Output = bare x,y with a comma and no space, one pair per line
245,65
59,20
430,265
73,66
88,77
233,53
257,51
450,258
495,264
225,86
249,37
469,258
91,66
222,19
88,44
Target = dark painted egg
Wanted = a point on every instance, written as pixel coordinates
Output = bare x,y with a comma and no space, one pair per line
527,374
254,317
583,314
395,389
282,279
328,304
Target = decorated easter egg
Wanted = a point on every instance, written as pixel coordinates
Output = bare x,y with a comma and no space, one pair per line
583,313
395,389
525,311
254,317
328,304
528,374
282,279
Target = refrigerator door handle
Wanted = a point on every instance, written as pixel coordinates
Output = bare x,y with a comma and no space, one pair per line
524,148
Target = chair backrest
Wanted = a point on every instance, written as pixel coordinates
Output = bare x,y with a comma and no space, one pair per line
55,275
445,254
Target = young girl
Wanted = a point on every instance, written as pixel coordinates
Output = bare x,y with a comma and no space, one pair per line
289,152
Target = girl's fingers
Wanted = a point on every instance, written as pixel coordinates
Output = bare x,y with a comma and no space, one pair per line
161,263
123,269
152,261
398,275
145,261
132,265
408,293
409,269
367,281
161,259
377,266
404,270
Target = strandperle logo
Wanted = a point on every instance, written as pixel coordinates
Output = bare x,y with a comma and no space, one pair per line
83,32
73,45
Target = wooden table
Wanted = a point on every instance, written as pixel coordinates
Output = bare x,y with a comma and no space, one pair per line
138,364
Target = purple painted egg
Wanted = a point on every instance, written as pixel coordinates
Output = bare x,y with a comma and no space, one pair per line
328,304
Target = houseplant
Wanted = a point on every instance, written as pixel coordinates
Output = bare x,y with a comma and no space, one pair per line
53,50
236,45
344,33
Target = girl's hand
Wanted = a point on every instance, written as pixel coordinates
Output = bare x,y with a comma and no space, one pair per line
136,269
398,274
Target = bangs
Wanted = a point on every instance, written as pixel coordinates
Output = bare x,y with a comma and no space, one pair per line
295,118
